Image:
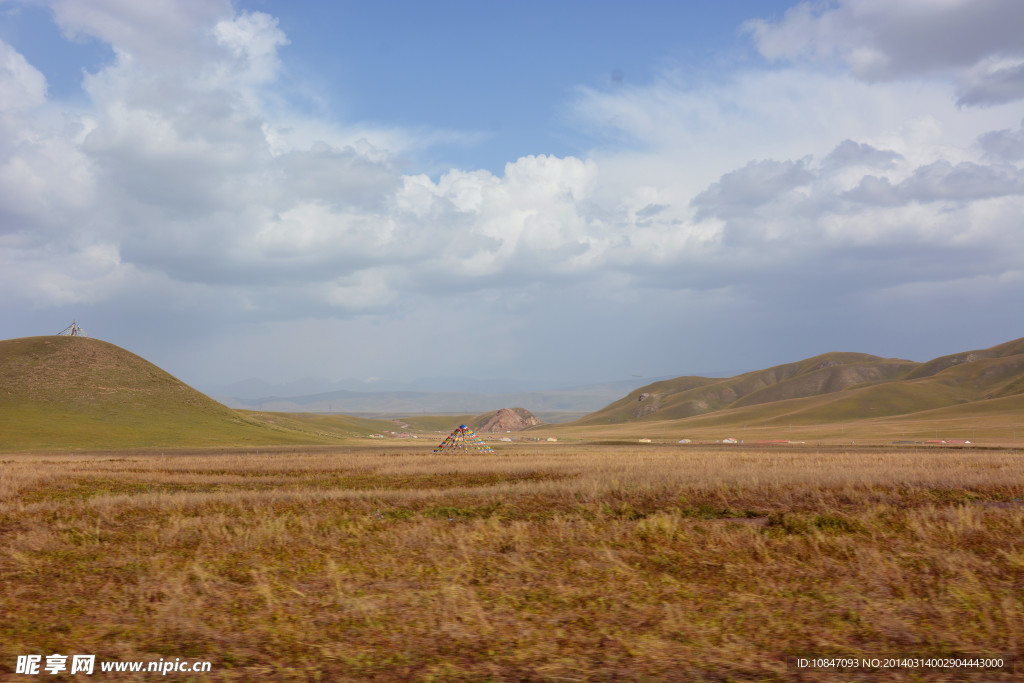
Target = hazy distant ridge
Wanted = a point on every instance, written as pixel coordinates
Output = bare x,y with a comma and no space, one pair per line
574,399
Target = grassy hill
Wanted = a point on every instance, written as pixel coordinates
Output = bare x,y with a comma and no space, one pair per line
933,367
77,392
831,389
690,396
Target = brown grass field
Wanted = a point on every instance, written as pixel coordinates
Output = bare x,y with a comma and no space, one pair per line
554,562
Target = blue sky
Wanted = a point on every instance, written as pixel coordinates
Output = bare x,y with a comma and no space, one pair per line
558,193
503,73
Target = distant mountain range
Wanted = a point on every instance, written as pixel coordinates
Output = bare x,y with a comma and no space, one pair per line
581,399
255,388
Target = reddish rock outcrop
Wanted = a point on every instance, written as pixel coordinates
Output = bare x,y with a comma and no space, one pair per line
508,420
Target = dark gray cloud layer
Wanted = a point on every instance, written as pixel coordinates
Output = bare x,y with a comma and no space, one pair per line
997,86
978,44
755,184
941,181
1007,145
850,153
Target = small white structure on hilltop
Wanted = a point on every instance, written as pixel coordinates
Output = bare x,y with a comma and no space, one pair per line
73,330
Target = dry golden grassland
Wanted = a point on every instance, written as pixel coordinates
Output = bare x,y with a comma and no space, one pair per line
543,563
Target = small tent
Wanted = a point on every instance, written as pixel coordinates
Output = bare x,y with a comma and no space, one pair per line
463,440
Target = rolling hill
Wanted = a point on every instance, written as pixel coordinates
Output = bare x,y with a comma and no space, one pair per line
76,392
832,387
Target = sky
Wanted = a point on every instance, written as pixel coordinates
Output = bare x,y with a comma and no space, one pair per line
556,193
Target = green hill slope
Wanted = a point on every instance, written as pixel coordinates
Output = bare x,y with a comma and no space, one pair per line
933,367
325,426
77,392
690,396
829,388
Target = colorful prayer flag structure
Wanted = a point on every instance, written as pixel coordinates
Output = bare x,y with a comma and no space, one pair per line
73,330
463,440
